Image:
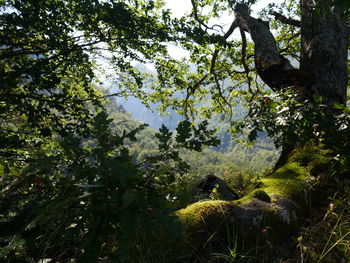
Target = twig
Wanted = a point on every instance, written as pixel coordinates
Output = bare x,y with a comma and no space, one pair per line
244,62
218,86
191,90
195,14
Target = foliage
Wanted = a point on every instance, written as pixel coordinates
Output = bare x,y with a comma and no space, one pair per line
69,186
290,121
49,59
91,201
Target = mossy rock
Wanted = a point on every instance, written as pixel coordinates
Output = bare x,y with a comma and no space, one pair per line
205,215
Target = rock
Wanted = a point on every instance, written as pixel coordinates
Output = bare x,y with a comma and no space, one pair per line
206,186
262,195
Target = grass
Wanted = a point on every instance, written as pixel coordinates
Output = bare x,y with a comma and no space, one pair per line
327,239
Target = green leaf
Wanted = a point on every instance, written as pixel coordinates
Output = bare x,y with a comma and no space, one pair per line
184,131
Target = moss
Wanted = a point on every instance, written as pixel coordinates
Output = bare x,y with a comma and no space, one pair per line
204,212
315,158
288,181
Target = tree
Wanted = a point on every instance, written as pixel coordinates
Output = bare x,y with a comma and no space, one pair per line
49,67
307,104
49,108
223,68
67,179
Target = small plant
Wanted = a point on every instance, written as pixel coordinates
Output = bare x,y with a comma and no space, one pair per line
241,182
215,195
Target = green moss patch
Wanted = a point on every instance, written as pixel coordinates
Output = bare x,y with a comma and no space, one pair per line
276,204
314,157
205,213
288,181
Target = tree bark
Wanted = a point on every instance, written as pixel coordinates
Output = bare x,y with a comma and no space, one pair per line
324,47
272,68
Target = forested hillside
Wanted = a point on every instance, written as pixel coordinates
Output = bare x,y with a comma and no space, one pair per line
228,156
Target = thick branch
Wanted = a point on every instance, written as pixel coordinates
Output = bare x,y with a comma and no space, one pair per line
233,26
274,69
285,20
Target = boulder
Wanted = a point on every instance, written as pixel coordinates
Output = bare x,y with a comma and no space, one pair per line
205,189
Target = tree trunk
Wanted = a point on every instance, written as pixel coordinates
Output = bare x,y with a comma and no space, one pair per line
324,47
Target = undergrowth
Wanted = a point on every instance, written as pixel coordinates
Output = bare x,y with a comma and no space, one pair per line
327,238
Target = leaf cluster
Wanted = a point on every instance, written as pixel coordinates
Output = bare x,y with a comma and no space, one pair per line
90,200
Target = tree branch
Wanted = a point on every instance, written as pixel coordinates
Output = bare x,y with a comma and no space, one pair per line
285,20
195,14
218,86
244,63
192,89
274,69
233,26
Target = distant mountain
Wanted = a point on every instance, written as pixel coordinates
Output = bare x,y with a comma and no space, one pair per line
152,117
143,114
